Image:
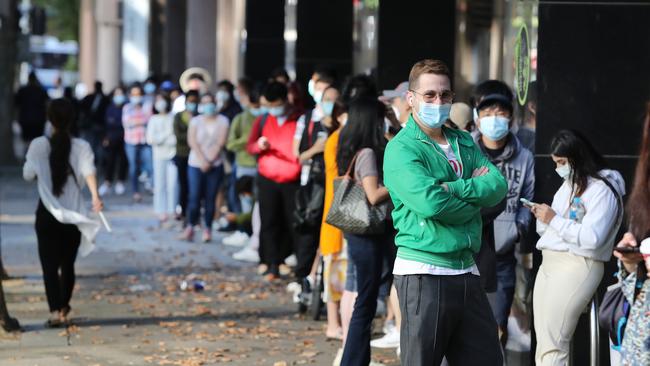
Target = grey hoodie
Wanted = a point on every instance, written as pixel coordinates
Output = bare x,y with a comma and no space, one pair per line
518,167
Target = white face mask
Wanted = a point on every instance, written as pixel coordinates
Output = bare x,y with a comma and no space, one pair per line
564,171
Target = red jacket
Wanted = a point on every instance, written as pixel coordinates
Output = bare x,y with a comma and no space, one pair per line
278,163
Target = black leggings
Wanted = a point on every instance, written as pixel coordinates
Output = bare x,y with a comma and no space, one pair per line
57,248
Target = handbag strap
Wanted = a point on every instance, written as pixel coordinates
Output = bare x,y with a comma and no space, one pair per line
351,166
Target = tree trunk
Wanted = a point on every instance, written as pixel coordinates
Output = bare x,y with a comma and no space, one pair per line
8,30
8,40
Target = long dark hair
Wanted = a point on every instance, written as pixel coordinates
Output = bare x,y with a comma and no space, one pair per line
583,158
364,129
637,205
61,115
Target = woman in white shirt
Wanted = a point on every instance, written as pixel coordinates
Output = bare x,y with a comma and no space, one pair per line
577,236
206,137
160,135
62,165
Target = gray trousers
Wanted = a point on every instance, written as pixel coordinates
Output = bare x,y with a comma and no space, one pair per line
446,316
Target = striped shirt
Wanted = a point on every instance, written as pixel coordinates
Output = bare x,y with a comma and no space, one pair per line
135,119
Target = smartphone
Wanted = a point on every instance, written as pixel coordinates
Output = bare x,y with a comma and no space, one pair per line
527,203
626,250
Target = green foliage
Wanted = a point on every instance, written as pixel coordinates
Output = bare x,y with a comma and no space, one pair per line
62,18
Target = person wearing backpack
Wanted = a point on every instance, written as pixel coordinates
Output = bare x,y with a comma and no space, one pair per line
577,236
309,146
634,273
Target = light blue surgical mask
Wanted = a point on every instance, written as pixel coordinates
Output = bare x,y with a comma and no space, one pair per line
327,108
256,111
246,203
191,107
119,99
161,106
494,127
264,109
564,171
310,87
135,99
149,88
434,115
208,109
276,111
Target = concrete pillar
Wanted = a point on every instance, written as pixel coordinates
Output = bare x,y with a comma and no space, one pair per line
175,17
87,43
201,37
230,24
135,40
108,36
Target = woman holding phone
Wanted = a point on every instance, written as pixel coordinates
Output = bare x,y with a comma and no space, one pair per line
62,165
577,235
634,269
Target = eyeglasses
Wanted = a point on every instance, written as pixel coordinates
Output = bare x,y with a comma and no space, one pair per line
430,96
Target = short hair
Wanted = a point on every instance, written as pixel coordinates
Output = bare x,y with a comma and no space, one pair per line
192,93
492,89
244,185
275,91
227,85
280,72
196,76
427,66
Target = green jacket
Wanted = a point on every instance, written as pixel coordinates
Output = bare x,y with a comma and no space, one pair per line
435,226
240,130
181,126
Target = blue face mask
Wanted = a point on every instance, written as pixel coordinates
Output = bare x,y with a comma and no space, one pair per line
246,203
276,111
494,127
209,109
191,107
256,111
136,99
119,99
149,88
434,115
327,108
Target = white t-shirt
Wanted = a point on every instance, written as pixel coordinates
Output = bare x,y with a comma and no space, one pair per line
210,135
405,267
160,135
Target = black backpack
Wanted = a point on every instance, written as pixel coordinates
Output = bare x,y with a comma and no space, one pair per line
310,198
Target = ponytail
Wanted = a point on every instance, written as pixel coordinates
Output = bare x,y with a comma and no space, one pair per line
61,115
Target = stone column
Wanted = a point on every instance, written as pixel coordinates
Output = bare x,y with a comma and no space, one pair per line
201,38
108,36
87,43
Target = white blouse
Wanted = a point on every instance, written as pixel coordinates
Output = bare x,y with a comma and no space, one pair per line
69,207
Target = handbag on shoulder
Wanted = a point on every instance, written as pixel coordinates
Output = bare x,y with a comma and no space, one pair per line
351,211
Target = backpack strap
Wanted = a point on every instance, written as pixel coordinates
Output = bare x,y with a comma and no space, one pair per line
262,124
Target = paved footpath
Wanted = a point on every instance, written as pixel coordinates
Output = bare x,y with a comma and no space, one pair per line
128,308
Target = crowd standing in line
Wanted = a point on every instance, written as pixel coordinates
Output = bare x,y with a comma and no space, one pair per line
262,159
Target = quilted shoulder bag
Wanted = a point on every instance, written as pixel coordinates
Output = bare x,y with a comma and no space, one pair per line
351,212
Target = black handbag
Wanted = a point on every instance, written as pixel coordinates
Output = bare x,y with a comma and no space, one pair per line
351,212
613,314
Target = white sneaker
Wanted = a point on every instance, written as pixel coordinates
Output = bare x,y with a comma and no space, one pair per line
389,326
294,289
337,359
236,239
103,189
247,255
120,189
390,340
291,261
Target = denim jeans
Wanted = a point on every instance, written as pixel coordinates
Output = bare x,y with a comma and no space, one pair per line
506,278
203,186
367,252
165,179
137,156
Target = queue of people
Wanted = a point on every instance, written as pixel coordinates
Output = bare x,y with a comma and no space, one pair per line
455,182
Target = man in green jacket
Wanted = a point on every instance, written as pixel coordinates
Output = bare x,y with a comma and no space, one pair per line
439,180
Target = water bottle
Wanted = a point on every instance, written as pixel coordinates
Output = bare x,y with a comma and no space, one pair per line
577,211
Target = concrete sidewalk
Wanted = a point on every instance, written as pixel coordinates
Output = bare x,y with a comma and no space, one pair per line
128,308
